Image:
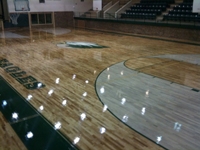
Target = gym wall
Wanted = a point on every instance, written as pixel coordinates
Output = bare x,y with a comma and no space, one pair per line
55,5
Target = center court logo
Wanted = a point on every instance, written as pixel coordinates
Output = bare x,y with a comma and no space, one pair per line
68,44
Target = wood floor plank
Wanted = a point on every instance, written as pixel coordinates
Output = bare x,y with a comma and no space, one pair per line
39,57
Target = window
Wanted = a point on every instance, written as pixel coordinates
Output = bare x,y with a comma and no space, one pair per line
48,18
34,19
41,18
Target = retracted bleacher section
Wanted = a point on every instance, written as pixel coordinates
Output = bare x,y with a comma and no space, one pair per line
147,9
183,13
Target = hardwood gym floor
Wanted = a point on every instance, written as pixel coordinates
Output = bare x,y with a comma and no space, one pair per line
36,53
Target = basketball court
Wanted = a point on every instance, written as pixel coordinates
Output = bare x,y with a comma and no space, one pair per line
69,88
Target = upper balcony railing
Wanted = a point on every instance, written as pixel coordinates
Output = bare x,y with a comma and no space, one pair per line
192,21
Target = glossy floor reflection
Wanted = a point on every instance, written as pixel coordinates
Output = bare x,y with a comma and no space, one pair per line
9,34
34,131
156,108
55,31
190,58
69,100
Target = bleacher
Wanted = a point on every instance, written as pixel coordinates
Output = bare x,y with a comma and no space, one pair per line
183,13
147,9
157,1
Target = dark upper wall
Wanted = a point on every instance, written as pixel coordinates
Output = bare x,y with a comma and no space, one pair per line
64,19
191,34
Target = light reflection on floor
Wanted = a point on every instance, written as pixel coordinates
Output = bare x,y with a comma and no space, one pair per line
55,31
190,58
140,100
8,34
151,106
